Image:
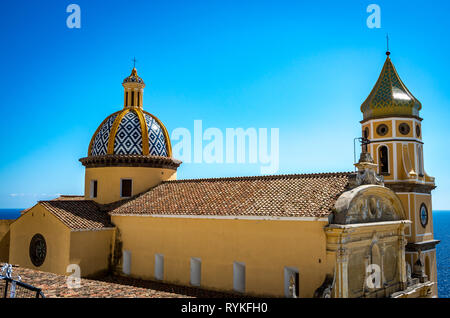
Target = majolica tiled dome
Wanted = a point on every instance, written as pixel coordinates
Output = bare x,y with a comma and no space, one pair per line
390,97
131,131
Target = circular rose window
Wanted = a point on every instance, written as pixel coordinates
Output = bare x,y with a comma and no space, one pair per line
382,130
38,250
404,128
423,215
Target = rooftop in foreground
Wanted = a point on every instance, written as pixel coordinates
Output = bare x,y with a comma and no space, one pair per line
111,286
55,286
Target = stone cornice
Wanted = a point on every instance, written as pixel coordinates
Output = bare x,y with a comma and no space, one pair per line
421,246
130,161
410,187
387,117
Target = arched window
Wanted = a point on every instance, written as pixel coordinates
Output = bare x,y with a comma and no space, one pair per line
383,160
428,267
126,98
420,157
375,256
139,99
132,98
374,281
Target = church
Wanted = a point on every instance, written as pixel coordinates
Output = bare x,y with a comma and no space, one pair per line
367,233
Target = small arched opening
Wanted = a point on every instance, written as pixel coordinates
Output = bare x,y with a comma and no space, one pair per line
383,160
428,267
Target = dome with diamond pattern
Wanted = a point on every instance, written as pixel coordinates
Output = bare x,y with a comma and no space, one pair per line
130,132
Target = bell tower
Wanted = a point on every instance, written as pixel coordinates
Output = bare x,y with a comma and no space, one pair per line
393,127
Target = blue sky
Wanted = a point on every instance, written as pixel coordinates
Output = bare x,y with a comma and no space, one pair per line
304,67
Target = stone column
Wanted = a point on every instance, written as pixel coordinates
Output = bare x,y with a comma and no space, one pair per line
382,278
342,272
366,264
402,262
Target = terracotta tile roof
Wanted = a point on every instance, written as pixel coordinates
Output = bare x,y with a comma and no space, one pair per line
78,214
301,195
190,291
55,286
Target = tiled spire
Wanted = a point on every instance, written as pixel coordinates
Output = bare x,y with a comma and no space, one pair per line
390,97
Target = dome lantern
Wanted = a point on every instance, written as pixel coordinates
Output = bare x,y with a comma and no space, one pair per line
134,90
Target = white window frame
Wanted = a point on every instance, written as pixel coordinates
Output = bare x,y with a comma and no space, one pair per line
420,161
91,189
126,263
121,182
159,266
239,277
196,271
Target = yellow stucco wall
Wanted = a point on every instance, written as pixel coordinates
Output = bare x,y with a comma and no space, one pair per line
4,240
395,146
108,180
265,246
393,125
88,249
411,203
91,250
406,203
388,123
423,233
56,234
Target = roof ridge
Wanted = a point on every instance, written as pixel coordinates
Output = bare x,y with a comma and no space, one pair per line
53,201
78,214
71,195
264,177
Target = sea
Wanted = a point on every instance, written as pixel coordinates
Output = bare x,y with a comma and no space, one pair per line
441,223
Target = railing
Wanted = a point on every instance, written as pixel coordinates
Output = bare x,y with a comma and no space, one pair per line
10,288
14,288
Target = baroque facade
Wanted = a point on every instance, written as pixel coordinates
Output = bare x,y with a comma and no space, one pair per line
367,233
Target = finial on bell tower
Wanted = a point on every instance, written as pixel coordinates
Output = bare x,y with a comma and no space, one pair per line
367,169
387,45
365,158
